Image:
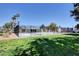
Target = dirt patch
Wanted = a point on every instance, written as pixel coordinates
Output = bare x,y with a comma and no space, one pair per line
8,36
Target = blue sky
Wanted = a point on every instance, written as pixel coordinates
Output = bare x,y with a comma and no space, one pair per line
37,14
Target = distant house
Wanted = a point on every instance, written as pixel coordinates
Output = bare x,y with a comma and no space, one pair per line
29,29
64,29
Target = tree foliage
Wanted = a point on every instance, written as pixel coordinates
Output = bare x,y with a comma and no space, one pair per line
75,11
53,27
15,16
7,27
77,26
42,26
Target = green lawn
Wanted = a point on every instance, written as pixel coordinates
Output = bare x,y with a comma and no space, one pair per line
49,45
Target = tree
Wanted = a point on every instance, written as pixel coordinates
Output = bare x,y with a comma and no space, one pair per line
7,27
14,18
15,27
77,26
10,27
75,11
53,27
43,27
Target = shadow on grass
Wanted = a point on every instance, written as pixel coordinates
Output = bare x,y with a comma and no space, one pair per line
73,34
51,47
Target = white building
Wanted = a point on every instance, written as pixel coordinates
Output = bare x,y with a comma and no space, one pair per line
28,29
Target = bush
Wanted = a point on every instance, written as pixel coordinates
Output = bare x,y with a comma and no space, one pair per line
1,34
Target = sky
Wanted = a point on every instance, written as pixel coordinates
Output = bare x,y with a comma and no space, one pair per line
38,13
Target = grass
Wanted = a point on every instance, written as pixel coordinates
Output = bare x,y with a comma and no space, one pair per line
48,45
73,34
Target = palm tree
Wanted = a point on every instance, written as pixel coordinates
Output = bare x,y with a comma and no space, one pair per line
14,18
